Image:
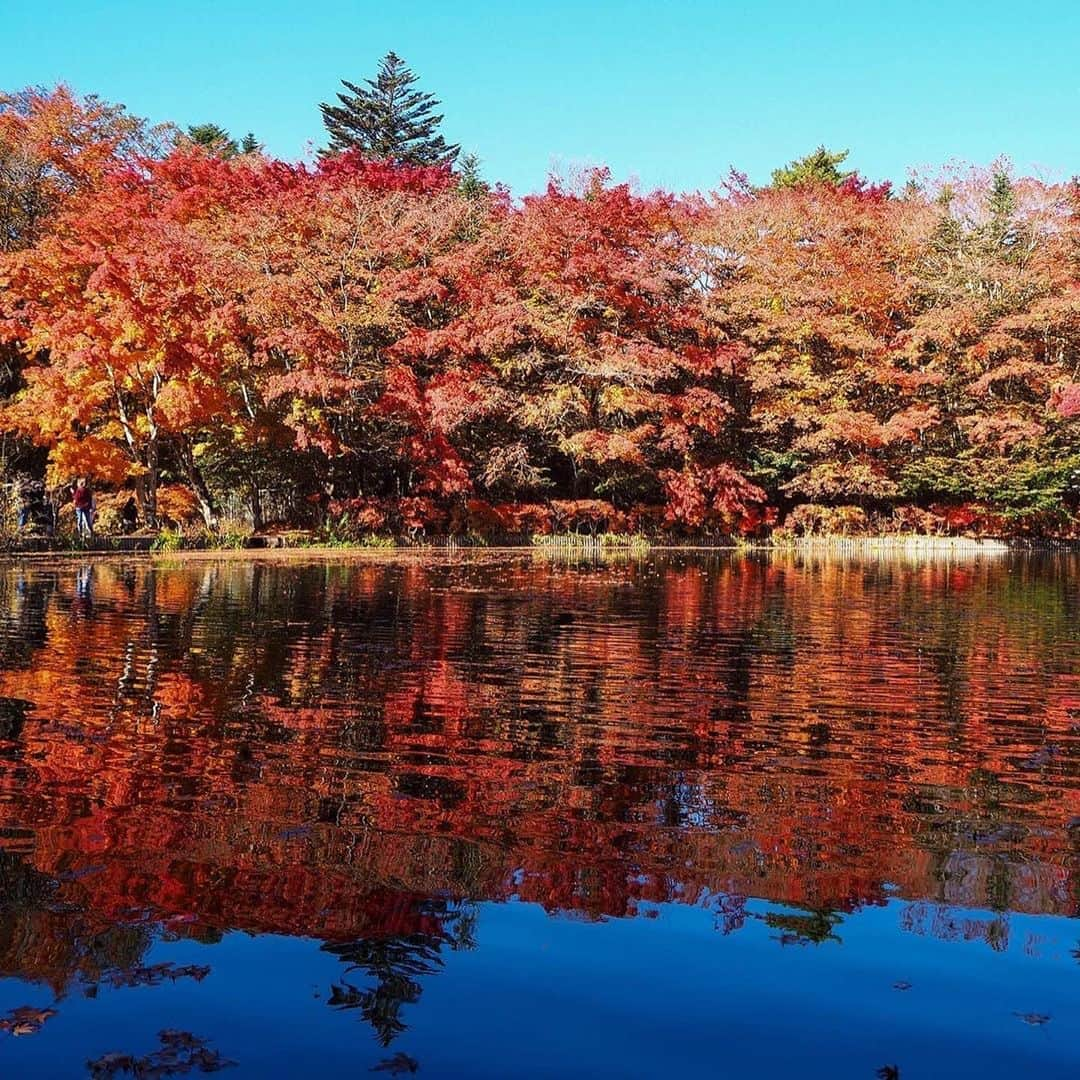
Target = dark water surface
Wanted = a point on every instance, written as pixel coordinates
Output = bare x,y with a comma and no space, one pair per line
505,816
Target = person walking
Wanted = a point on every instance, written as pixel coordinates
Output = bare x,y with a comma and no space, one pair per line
83,498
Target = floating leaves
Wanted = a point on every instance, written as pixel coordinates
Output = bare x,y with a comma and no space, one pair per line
25,1020
180,1052
397,1065
1033,1019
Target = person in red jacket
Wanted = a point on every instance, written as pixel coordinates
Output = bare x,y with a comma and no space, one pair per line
83,498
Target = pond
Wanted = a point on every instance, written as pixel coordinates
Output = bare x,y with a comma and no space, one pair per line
511,814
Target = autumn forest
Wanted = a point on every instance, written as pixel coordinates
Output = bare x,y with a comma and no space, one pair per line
384,346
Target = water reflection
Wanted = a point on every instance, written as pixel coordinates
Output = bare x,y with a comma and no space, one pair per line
363,753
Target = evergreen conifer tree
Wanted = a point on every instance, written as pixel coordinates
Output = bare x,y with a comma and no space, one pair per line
1002,204
820,167
470,183
214,138
387,118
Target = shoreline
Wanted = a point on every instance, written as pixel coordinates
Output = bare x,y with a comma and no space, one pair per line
561,547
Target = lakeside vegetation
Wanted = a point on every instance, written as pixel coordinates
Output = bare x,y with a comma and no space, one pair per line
379,345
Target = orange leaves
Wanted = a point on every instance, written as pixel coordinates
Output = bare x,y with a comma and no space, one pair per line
53,147
1014,371
1003,431
101,459
854,478
185,406
604,447
177,504
910,424
586,516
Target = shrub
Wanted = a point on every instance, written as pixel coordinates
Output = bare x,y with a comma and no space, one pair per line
809,519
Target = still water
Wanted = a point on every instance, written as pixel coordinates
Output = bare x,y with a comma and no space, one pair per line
505,815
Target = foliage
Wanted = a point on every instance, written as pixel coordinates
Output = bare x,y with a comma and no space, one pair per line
168,540
214,139
820,167
811,520
470,183
375,346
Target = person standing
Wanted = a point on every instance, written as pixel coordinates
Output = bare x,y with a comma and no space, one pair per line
83,498
26,510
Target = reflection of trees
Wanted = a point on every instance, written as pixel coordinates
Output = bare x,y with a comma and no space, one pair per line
46,935
271,746
948,924
12,717
24,600
22,888
812,928
396,963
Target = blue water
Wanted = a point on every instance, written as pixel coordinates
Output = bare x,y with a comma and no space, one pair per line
508,817
544,995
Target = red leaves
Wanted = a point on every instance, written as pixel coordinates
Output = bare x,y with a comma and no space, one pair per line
461,396
586,516
352,167
440,468
508,519
366,323
858,188
718,497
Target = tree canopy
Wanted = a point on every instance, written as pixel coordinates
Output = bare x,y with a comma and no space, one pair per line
395,347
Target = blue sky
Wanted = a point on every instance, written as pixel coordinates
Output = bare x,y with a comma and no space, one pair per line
667,94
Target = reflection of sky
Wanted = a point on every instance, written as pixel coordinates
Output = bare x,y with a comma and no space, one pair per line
551,996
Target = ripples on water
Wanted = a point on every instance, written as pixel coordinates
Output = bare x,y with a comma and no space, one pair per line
504,815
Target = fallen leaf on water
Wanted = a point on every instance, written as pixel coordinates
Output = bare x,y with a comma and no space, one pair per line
181,1052
399,1063
1034,1019
25,1020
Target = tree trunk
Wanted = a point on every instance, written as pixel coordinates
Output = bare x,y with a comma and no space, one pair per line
256,509
151,485
193,474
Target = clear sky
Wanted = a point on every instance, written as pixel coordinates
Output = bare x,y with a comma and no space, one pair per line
667,94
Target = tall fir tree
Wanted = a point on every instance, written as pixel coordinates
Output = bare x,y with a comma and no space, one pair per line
387,118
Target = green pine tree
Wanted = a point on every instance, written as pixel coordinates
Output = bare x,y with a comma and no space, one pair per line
470,183
389,119
1002,205
820,167
249,144
213,138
